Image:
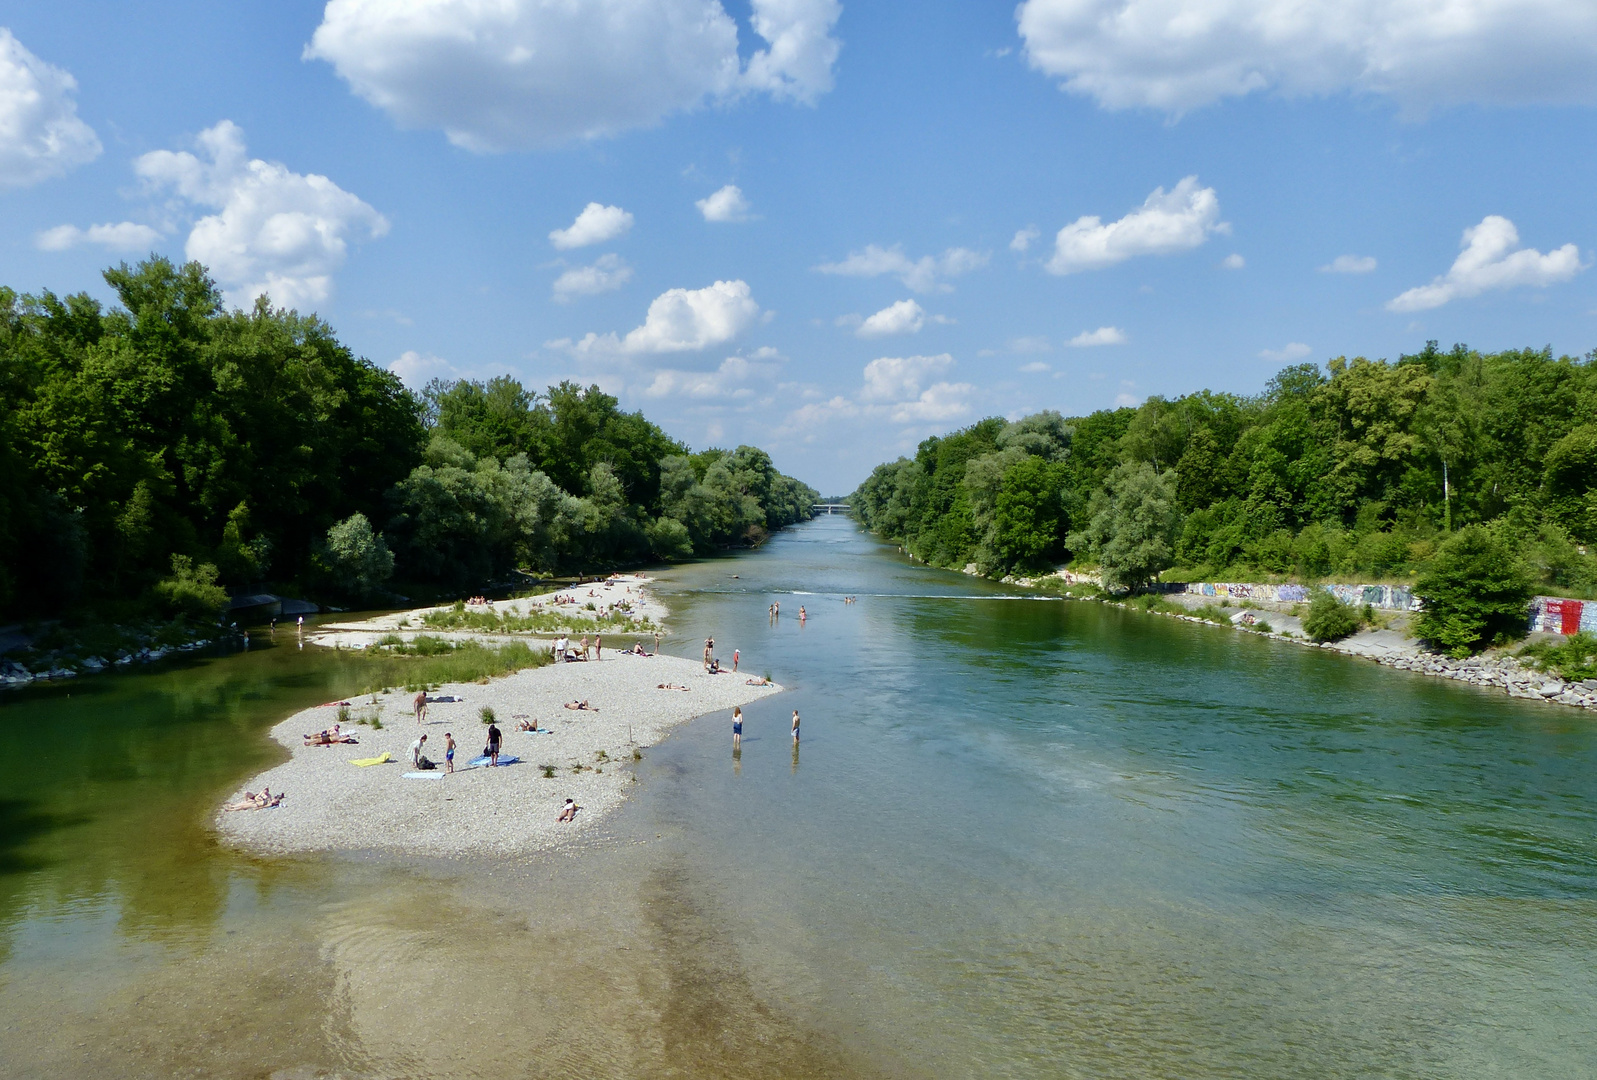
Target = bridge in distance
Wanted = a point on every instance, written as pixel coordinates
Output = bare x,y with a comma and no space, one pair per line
830,508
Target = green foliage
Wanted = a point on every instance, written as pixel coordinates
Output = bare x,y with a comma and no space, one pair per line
1573,659
1475,592
431,662
1132,526
191,590
1328,619
1357,470
353,559
486,714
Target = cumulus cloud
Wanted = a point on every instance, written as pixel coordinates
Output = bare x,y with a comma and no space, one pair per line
899,378
596,224
904,317
1177,55
417,369
1293,350
1104,335
1023,239
276,232
679,320
1350,264
1165,223
608,272
40,133
922,275
1491,259
1233,261
726,205
729,382
898,389
121,236
1036,367
501,74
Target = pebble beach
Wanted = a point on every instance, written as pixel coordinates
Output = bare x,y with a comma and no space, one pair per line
332,804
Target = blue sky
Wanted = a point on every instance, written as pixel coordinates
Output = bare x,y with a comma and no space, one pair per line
932,203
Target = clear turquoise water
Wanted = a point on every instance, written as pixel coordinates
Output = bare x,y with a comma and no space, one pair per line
1019,838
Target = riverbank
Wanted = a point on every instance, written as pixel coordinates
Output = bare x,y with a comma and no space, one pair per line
331,804
1389,645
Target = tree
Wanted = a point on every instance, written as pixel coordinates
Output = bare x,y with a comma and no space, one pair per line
1029,518
1132,525
1328,619
355,560
191,590
1475,592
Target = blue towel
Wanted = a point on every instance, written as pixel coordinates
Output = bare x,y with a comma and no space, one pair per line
504,759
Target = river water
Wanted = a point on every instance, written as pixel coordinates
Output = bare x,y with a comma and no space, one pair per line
1020,838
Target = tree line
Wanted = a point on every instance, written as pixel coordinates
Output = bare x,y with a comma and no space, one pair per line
1362,469
167,448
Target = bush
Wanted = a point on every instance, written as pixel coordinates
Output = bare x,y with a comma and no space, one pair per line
353,559
669,539
191,590
1573,659
1328,619
1475,592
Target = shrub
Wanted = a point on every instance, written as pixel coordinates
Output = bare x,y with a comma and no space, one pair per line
1573,659
1328,619
191,590
487,714
1475,592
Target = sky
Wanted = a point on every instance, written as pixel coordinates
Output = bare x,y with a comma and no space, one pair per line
827,228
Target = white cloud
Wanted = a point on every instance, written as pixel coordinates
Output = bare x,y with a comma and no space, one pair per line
921,275
904,317
1127,401
726,205
40,133
898,378
679,320
1294,350
1023,239
596,224
416,369
938,402
798,65
1490,261
608,272
1104,335
1233,261
1035,367
729,382
1177,55
499,74
122,236
276,232
1350,264
1166,223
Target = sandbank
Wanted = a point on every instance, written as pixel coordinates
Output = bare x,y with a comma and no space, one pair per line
333,805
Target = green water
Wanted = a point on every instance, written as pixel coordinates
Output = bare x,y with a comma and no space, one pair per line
1019,838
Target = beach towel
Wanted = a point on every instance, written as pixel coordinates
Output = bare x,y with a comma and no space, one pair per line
424,775
381,759
482,762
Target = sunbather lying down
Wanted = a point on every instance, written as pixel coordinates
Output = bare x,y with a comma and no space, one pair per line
758,681
329,737
582,705
252,801
527,725
668,686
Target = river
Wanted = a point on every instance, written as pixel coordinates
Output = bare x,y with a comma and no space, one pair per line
1020,838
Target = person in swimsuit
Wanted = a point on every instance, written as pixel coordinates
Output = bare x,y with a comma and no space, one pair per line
569,811
795,727
449,752
420,706
737,729
734,661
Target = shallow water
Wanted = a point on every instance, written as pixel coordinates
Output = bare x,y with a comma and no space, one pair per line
1019,838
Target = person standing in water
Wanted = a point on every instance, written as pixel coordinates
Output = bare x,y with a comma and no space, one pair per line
734,661
802,615
795,727
737,729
